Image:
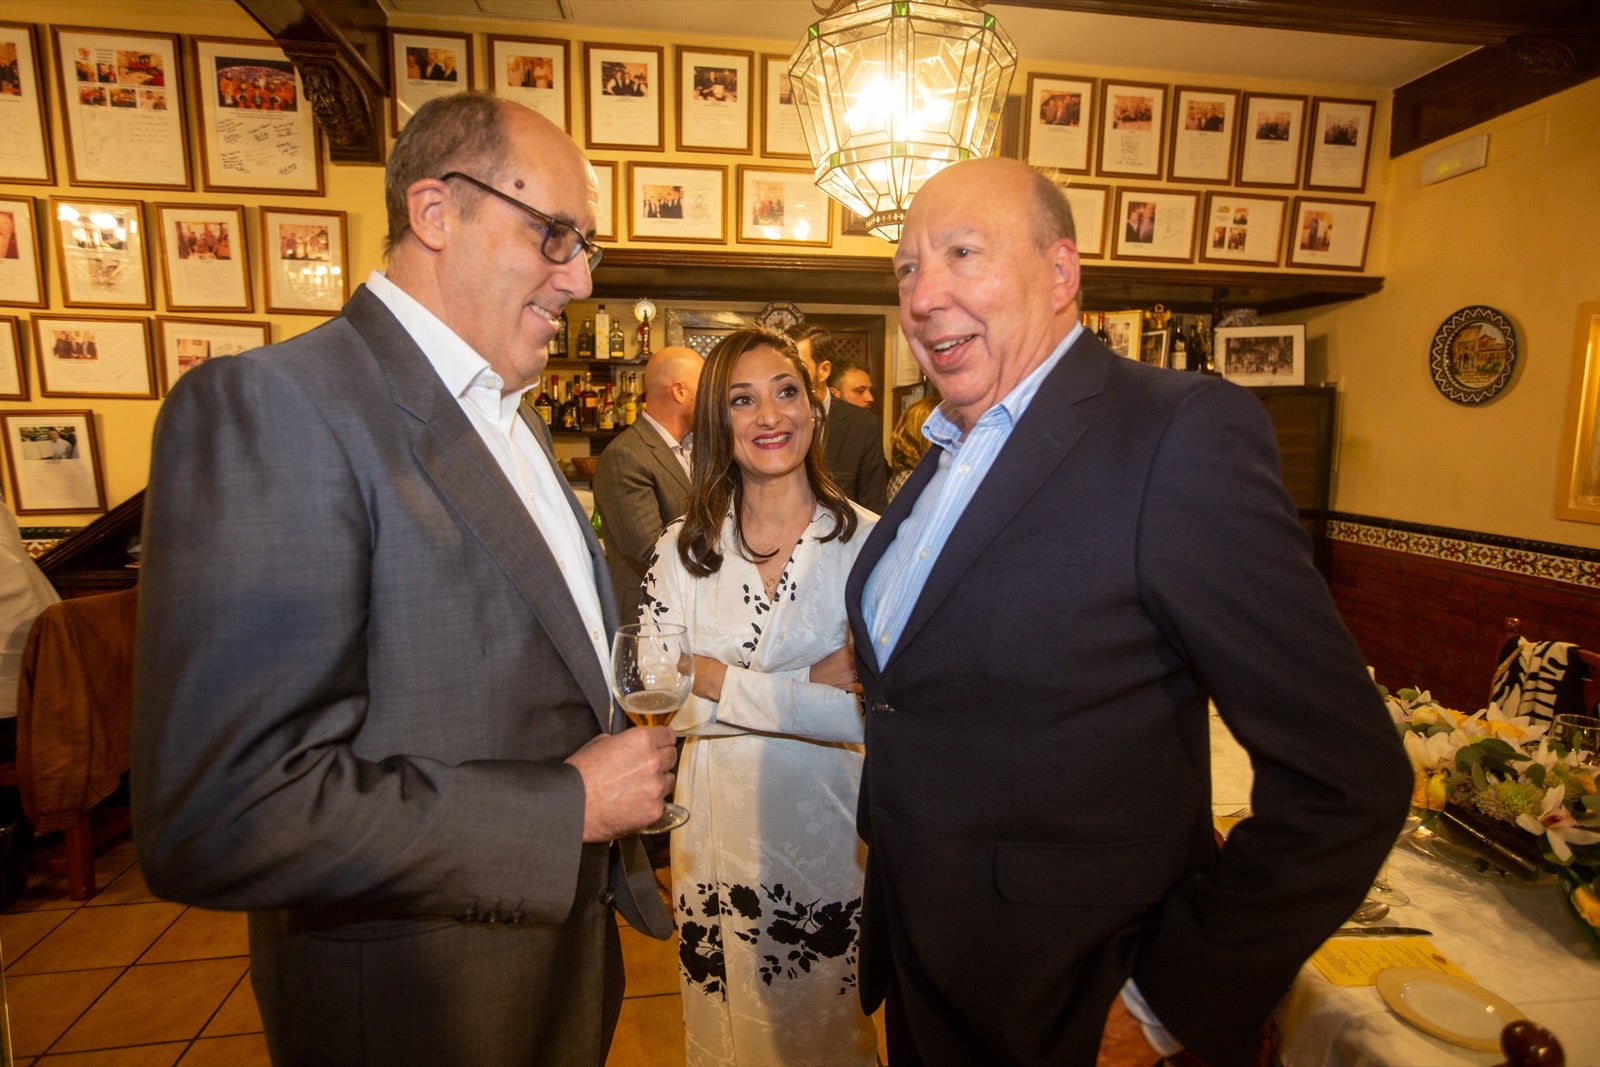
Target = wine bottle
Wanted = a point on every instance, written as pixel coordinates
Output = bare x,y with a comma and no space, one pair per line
542,402
605,417
588,406
629,400
602,334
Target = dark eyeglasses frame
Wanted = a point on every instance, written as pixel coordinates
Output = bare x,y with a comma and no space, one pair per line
552,226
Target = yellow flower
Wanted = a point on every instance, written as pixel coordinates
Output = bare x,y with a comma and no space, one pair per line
1587,905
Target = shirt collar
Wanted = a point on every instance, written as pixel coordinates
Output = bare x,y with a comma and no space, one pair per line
941,430
458,365
666,435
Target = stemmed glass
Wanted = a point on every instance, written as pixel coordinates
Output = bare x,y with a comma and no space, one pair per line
652,673
1581,736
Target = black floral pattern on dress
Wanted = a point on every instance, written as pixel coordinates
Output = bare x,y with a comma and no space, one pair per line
812,931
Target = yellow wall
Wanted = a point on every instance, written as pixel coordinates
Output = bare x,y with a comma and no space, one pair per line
1518,235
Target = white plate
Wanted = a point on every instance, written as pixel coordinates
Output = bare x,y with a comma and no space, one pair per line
1450,1008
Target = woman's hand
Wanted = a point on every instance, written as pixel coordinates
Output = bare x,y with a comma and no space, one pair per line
708,676
838,669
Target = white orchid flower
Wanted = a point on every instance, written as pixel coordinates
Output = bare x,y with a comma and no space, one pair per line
1556,823
1514,730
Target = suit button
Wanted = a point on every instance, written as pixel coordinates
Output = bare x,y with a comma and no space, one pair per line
607,896
881,707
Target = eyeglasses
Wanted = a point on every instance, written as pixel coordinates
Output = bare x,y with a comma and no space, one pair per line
561,243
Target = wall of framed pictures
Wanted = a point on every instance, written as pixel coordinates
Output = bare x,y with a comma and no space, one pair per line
224,224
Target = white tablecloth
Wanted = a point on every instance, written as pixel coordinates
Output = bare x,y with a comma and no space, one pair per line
1514,939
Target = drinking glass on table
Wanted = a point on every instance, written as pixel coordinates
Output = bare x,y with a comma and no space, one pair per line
1581,736
652,672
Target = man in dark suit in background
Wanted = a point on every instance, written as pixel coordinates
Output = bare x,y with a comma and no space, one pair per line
371,704
642,480
1091,550
854,436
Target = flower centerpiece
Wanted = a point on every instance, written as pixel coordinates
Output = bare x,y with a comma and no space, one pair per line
1520,799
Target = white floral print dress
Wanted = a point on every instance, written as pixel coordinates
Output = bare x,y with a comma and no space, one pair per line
767,874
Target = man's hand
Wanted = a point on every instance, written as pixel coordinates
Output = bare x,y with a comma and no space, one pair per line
626,778
1123,1043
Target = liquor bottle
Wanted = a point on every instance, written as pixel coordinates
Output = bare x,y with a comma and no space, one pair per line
588,406
586,340
561,338
630,401
552,350
567,414
602,333
542,402
605,418
618,340
1100,331
1199,358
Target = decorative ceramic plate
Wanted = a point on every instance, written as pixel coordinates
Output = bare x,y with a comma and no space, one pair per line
1450,1008
1473,354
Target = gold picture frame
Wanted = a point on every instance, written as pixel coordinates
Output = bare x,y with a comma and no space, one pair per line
1578,491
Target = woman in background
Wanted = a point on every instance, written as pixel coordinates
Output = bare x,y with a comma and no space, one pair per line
907,445
767,874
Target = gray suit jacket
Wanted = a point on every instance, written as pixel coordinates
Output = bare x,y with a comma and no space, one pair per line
639,487
358,673
854,451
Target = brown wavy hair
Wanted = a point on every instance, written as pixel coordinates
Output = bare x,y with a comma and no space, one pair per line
907,445
715,479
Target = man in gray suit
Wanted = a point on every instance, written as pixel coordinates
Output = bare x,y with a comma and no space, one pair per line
853,441
371,703
642,480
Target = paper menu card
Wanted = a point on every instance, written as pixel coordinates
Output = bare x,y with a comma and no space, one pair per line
1356,961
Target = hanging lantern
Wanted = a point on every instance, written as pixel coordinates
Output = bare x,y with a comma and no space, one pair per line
892,91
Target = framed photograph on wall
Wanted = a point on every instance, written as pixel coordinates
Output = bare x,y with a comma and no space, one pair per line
1330,234
605,216
122,108
99,247
303,256
625,97
24,130
93,357
534,72
1261,355
1059,132
1204,132
1132,123
684,202
13,368
1270,134
1125,330
424,65
203,261
21,257
781,206
54,460
1340,142
1155,224
1578,494
1153,347
1090,204
184,344
715,86
782,135
1242,228
257,134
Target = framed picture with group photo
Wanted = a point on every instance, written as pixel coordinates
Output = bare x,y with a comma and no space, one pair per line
24,129
100,250
625,97
1330,234
54,459
1270,135
783,206
714,91
21,258
122,108
534,72
679,202
1261,355
203,260
184,344
257,134
1133,119
102,357
1242,228
1125,330
1204,132
423,65
1340,142
1059,131
303,255
1155,224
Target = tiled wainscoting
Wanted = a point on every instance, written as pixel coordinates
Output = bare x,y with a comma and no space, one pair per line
1428,605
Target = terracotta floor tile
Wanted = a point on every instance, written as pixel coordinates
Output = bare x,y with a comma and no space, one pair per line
649,1034
201,934
155,1002
98,937
238,1014
651,965
126,888
44,1005
21,930
244,1050
164,1055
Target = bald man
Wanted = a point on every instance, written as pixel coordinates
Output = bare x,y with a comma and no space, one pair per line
642,481
371,702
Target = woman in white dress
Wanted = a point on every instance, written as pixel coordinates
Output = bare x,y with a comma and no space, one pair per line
767,873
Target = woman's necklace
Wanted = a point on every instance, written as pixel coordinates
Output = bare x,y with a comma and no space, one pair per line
771,569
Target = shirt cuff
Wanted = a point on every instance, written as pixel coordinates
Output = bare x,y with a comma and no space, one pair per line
1159,1036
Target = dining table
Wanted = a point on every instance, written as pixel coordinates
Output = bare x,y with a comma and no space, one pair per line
1511,937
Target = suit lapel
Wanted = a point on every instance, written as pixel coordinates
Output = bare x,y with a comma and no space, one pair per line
877,543
467,478
661,455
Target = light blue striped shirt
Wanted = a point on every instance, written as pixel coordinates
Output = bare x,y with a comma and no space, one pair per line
897,580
